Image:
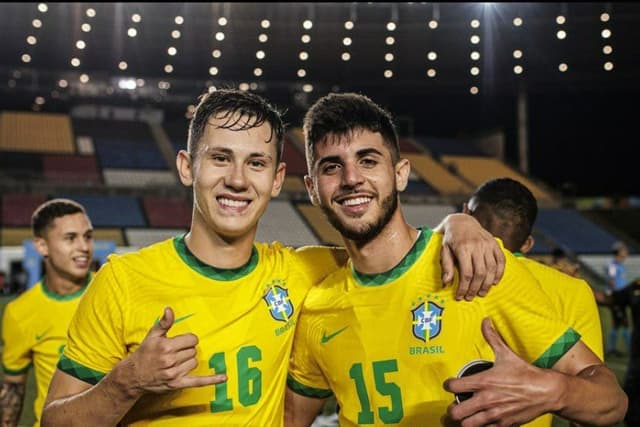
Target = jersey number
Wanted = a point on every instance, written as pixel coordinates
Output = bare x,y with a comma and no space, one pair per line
249,379
388,415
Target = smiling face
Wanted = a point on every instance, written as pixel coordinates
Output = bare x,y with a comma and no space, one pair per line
355,182
234,175
67,247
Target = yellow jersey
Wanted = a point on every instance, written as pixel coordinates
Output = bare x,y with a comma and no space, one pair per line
244,319
34,332
575,303
385,343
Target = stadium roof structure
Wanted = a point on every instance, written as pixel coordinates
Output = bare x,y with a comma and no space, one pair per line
168,53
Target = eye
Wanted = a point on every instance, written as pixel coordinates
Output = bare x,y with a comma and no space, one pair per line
257,164
220,158
369,162
330,168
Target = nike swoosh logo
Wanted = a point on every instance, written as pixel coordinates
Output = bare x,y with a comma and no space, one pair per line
326,338
40,336
178,320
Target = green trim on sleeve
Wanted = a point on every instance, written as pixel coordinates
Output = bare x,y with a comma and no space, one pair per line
558,349
307,391
22,371
78,371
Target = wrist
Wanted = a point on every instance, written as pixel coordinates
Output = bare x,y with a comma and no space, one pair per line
121,383
561,392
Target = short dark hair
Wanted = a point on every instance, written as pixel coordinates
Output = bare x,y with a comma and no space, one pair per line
234,105
46,213
512,205
340,114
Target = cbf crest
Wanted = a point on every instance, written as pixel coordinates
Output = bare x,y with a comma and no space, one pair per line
427,318
277,299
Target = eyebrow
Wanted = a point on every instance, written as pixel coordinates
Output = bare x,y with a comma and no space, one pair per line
228,151
360,153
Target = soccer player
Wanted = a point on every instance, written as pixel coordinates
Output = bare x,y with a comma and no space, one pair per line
616,273
197,330
508,210
34,325
629,295
381,334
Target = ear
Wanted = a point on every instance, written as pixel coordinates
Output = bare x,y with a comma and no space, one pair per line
311,189
527,245
41,246
465,208
185,168
278,179
403,169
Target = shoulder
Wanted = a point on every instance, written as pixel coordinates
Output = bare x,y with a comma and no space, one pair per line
26,300
330,292
146,256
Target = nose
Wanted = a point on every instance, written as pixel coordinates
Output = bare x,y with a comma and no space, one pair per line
85,244
236,178
351,175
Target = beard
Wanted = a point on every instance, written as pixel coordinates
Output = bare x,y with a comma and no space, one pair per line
364,233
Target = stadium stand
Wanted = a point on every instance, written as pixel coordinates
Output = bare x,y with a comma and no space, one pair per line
282,222
420,215
67,168
178,131
436,175
36,132
623,222
14,236
572,231
111,211
477,170
142,237
21,166
167,211
294,158
18,207
450,146
316,220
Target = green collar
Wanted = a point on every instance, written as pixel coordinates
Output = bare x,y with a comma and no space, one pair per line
50,294
409,259
221,274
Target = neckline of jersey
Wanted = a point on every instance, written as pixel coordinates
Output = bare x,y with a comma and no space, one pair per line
379,279
215,273
57,297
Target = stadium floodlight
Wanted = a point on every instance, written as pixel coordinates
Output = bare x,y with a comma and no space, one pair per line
127,83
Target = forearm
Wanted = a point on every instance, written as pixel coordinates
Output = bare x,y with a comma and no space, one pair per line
104,404
11,401
592,398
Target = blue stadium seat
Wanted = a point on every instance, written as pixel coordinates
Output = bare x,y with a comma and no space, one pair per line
572,230
111,211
